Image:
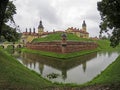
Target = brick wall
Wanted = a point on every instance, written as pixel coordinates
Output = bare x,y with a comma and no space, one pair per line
68,47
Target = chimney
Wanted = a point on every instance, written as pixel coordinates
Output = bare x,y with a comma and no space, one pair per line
30,31
33,30
26,30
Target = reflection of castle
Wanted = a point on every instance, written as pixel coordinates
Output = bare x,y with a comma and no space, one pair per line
29,36
63,66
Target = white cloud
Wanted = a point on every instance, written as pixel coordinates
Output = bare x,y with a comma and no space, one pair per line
58,14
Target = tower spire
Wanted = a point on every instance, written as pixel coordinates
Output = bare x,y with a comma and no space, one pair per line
40,28
84,26
40,25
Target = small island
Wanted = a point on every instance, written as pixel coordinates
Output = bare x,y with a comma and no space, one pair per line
68,41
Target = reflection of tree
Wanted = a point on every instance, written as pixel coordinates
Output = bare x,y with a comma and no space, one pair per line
30,65
26,61
11,51
62,65
34,64
110,53
15,53
84,66
105,53
41,68
64,74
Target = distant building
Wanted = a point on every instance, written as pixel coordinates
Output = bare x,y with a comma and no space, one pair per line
79,32
27,37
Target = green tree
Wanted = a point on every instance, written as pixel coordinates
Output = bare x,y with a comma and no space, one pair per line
10,12
7,32
10,33
110,16
3,5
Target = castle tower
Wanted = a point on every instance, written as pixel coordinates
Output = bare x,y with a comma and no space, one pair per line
84,26
40,28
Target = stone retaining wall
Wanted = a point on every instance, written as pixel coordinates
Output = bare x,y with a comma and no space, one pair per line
59,47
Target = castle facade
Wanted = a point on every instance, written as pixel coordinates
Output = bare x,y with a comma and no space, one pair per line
82,33
28,36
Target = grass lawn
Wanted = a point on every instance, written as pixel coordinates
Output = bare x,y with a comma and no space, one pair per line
57,37
15,75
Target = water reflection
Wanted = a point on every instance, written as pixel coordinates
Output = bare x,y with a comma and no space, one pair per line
59,64
74,70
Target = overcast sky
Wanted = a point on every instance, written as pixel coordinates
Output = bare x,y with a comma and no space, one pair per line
58,14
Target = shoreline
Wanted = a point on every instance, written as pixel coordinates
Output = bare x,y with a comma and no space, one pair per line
59,55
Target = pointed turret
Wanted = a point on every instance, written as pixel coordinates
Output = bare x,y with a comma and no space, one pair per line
84,26
40,25
40,28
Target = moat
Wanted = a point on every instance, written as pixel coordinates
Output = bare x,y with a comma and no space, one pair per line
74,70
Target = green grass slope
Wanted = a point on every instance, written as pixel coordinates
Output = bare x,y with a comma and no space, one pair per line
105,45
15,75
57,37
102,45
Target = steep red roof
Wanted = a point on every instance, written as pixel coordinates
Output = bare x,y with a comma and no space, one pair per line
28,33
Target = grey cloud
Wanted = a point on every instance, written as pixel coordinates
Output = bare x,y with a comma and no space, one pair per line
49,14
44,10
94,31
93,15
62,14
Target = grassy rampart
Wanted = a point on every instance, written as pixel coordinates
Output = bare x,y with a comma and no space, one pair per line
14,75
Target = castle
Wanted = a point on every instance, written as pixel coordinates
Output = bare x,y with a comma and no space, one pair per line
79,32
29,36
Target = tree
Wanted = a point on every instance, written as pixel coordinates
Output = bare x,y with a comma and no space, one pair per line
110,16
3,5
7,32
10,12
10,33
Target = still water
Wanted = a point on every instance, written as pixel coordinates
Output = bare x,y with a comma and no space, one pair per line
74,70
